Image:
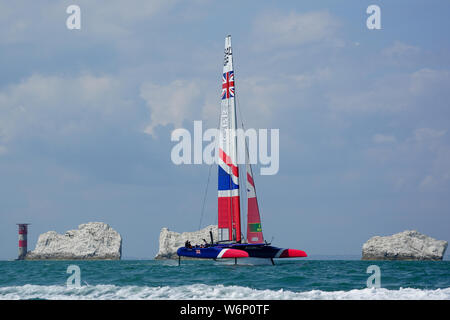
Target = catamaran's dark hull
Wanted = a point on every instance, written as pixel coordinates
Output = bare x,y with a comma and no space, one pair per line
240,250
213,252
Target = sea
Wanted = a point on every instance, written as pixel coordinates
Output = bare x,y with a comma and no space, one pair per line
298,279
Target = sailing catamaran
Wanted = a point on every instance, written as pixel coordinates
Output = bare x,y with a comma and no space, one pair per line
231,243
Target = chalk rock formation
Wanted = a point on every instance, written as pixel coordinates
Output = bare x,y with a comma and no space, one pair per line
170,241
92,241
406,245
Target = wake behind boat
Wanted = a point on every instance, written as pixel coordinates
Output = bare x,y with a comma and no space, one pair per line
231,243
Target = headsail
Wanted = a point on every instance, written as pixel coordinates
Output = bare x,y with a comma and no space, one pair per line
229,221
254,229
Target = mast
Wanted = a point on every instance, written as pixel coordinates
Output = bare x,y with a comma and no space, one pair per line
229,219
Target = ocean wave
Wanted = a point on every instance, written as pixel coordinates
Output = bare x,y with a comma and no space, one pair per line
202,291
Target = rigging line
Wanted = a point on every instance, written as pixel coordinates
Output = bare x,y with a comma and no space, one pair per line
207,186
204,197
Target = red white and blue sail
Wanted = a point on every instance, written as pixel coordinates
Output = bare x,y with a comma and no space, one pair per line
229,221
254,228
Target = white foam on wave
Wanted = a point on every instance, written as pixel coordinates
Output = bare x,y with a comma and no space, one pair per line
202,291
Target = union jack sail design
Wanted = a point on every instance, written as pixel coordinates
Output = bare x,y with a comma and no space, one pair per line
229,221
228,85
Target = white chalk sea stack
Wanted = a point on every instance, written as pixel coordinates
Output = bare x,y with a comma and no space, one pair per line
170,241
91,241
406,245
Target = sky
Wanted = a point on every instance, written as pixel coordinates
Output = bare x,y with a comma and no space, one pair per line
363,116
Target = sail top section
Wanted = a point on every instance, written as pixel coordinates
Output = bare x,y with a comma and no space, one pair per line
228,54
228,72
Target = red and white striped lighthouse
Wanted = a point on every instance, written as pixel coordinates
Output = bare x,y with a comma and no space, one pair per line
23,233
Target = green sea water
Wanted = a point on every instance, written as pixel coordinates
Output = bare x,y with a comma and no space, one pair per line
288,279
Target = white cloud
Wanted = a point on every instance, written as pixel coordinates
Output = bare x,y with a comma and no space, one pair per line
428,80
428,182
384,95
130,11
427,134
306,80
172,103
105,18
381,138
421,161
294,29
257,99
116,17
394,93
42,105
400,50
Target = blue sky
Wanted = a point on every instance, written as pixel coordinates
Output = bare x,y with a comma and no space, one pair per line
86,117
